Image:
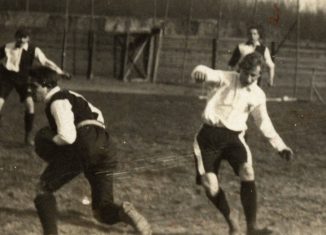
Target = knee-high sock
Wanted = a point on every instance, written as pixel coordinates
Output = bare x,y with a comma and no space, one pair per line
221,204
29,120
47,211
249,202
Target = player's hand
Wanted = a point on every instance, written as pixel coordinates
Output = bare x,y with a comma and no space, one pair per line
270,83
286,154
45,133
66,76
199,76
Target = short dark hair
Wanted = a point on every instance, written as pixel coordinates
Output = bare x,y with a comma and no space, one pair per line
251,61
259,29
22,32
44,76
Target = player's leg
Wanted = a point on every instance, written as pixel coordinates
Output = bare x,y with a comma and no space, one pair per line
217,196
100,163
241,160
29,121
207,163
25,94
6,87
62,168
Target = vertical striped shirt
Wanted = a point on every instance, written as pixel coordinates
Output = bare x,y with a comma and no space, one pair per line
12,57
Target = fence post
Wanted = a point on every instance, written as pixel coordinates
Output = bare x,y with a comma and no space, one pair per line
187,40
214,52
65,37
91,44
312,81
297,50
27,6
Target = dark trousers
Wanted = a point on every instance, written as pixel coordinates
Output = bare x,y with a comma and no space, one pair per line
93,154
10,80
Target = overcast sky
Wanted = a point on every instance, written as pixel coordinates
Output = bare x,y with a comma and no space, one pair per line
311,5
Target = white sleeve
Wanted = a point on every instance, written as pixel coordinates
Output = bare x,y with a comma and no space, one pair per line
211,74
268,58
45,61
64,119
264,123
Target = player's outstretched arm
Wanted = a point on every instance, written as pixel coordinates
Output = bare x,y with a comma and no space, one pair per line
50,64
202,73
265,125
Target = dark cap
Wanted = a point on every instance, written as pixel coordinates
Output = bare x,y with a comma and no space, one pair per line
251,60
22,32
44,76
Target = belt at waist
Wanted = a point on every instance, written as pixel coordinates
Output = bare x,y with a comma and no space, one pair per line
222,128
218,124
90,122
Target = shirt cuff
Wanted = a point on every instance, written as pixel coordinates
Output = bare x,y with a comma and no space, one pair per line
277,143
59,141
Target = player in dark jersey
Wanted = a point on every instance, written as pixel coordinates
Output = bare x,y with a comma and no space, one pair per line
75,142
17,58
253,44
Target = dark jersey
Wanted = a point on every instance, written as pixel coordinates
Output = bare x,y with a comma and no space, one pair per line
82,109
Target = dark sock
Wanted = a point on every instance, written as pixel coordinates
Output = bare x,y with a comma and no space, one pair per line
47,211
221,204
29,120
249,202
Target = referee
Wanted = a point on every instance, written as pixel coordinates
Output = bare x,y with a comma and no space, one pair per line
235,96
17,58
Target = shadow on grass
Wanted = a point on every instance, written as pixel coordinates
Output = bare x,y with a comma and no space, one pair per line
12,144
71,217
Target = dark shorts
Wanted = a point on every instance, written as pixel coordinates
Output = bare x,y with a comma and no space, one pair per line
93,154
12,80
214,144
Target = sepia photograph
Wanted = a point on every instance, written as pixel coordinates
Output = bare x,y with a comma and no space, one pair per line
162,117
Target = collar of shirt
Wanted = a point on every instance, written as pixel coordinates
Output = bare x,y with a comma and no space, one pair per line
51,93
24,47
257,43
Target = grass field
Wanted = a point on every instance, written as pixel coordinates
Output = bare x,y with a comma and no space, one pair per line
154,134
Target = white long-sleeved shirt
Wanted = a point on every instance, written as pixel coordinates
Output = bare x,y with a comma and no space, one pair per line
12,57
61,110
229,104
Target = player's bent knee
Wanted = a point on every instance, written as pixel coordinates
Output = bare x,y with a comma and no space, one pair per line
210,183
108,214
246,172
44,199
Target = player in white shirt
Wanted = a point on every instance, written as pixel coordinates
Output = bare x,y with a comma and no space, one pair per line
234,97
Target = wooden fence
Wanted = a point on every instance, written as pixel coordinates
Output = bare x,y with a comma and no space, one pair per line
312,56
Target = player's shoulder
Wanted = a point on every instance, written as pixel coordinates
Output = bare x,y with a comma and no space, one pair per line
60,94
229,77
258,92
242,45
10,45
